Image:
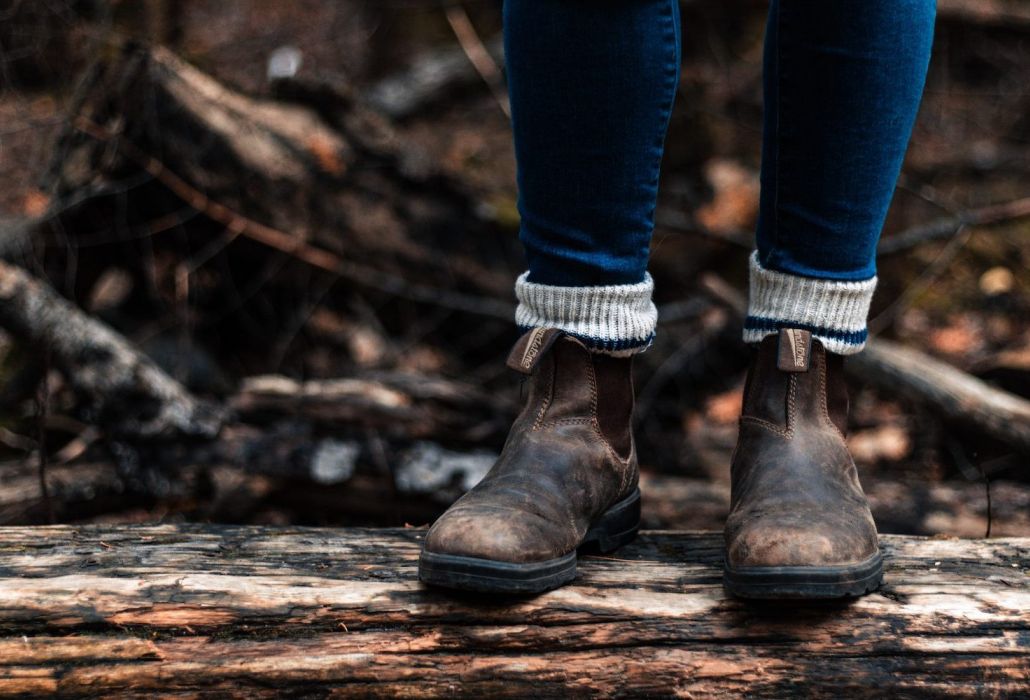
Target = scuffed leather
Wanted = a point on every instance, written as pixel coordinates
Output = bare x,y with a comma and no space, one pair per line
558,472
795,496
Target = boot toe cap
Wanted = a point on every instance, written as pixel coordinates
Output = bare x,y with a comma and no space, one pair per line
767,542
497,535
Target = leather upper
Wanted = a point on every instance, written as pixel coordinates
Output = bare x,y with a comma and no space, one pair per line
796,499
561,466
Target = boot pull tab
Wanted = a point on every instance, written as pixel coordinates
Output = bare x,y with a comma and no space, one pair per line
794,353
531,347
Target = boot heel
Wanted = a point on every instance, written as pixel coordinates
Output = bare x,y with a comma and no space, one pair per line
618,526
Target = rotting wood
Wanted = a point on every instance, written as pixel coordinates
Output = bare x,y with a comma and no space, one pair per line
257,611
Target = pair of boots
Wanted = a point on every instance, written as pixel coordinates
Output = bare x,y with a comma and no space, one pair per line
799,525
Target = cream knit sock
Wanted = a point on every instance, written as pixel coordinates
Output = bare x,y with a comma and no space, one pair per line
834,311
616,319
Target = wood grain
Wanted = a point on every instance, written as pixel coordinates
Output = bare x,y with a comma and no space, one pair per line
181,610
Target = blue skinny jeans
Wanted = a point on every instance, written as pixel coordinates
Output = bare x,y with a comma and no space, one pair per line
592,85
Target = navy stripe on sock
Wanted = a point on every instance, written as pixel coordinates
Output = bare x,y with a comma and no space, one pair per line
760,323
606,344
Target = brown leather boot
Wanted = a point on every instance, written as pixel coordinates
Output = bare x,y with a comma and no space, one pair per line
799,525
567,477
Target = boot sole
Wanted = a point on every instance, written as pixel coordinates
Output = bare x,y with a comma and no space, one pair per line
618,526
805,582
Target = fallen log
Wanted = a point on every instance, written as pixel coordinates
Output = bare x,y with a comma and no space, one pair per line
260,612
322,438
404,404
318,478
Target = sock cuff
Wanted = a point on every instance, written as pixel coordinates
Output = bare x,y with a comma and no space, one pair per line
834,311
613,319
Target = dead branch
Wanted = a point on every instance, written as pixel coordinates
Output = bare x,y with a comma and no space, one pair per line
432,77
1003,14
943,228
478,55
129,393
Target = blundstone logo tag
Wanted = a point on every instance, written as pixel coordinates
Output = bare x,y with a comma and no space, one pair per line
536,339
531,347
795,350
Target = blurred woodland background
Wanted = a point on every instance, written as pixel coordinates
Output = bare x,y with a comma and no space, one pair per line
256,261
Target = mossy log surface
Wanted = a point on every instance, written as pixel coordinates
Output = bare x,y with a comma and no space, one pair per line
252,611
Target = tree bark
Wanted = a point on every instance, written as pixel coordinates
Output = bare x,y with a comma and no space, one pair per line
247,611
